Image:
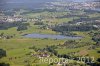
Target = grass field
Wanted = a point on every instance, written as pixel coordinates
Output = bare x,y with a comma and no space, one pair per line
17,47
20,47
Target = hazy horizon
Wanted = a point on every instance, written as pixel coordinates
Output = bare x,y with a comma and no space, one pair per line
9,4
40,1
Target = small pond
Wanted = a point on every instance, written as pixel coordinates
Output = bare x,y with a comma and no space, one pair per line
50,36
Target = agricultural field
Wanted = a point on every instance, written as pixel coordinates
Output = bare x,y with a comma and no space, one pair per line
77,35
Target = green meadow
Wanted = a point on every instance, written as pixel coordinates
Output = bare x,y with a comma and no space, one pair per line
18,48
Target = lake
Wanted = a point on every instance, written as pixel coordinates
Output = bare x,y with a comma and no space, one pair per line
50,36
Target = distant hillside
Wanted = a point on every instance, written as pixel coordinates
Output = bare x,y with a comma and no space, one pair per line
9,4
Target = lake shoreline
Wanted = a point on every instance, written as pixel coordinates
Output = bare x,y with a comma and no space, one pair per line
50,36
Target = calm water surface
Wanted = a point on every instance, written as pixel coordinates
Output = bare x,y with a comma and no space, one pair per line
50,36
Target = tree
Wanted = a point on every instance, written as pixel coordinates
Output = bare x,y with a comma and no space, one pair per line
22,27
3,64
2,53
38,23
98,59
2,34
